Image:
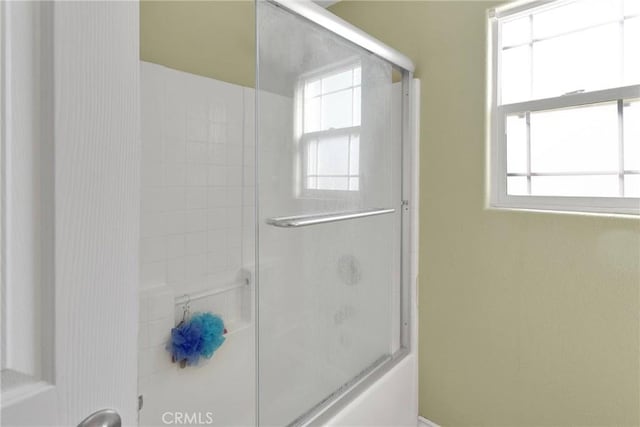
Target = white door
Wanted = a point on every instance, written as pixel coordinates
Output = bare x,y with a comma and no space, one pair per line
70,181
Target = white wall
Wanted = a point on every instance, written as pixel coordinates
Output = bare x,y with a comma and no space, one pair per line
192,179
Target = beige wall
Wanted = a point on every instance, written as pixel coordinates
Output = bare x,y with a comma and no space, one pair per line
526,319
209,38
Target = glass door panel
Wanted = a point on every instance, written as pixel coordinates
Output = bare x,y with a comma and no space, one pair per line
329,194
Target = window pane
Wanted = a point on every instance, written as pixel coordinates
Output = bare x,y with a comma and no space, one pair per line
312,89
312,114
632,186
575,15
357,76
586,60
354,155
312,182
583,139
631,7
337,81
337,109
632,136
516,144
576,186
333,183
517,186
312,155
333,156
515,75
516,32
356,106
632,50
354,184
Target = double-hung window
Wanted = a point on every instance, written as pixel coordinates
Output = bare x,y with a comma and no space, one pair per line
565,105
330,131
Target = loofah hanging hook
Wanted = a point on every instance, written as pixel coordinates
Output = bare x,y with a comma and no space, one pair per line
186,307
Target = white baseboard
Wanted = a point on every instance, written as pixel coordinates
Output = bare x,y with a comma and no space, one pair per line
423,422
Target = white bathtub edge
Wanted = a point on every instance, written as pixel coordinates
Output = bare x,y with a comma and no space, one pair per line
423,422
391,401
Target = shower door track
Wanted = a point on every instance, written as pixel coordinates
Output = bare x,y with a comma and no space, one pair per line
337,400
341,390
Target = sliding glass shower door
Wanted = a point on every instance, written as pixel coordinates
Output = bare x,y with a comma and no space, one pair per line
329,221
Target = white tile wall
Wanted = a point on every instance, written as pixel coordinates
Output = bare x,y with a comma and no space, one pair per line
197,179
156,321
197,225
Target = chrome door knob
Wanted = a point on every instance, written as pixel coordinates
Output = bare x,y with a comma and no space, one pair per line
102,418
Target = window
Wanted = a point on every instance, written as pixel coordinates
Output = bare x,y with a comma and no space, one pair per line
330,135
565,107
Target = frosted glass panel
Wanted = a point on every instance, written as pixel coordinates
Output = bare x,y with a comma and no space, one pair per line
337,81
357,105
354,154
333,156
331,100
328,126
575,139
312,114
313,88
632,136
337,110
354,184
333,183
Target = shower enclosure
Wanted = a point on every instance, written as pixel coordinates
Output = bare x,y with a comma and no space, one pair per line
288,210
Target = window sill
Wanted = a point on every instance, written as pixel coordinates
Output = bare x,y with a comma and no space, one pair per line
562,211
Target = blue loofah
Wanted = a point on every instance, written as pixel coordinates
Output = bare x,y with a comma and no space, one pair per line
202,335
212,328
185,343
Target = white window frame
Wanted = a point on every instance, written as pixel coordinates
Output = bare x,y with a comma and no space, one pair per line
498,197
304,139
